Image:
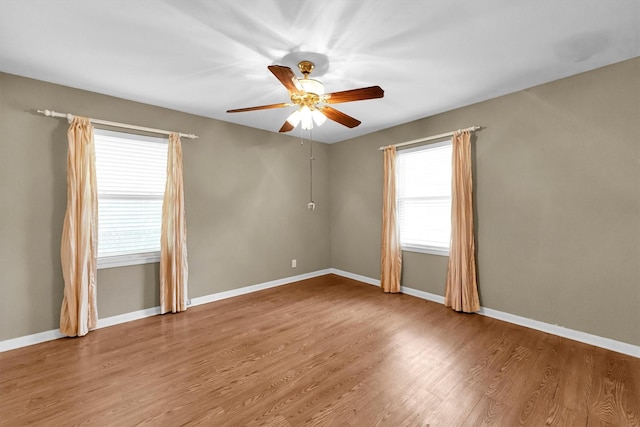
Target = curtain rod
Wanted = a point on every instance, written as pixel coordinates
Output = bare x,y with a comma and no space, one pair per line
69,117
434,137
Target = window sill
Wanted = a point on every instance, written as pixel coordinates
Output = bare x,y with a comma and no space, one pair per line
124,260
426,250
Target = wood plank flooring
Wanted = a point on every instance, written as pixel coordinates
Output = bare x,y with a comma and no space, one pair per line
326,351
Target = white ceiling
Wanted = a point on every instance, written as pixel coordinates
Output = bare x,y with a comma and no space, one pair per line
204,57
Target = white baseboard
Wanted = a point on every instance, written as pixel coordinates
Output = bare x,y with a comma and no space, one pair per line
376,282
359,278
127,317
422,294
595,340
28,340
609,344
254,288
598,341
54,334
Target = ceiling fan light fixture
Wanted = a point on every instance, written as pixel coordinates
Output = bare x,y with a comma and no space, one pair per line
294,118
318,117
306,118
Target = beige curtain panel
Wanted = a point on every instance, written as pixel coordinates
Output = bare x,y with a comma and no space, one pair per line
461,292
79,247
391,254
173,241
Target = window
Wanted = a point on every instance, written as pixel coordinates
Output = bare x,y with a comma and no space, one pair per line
424,198
131,177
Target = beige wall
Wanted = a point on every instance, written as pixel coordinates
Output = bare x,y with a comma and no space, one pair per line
557,185
246,194
557,188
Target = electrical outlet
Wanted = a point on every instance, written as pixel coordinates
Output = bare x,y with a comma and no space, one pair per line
293,263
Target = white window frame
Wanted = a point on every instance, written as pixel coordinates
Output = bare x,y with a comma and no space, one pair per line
427,249
132,258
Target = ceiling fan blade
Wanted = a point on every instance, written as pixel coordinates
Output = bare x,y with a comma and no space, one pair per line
261,107
361,94
286,127
340,117
286,77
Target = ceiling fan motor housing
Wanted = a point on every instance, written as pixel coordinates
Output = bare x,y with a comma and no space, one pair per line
312,90
313,93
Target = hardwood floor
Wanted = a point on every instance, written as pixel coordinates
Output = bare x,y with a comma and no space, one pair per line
325,351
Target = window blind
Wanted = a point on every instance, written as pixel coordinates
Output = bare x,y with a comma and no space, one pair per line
131,177
424,197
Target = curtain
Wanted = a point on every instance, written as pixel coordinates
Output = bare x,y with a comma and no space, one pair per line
79,247
391,255
461,292
173,239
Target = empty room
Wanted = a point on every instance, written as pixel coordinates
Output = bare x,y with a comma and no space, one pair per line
332,213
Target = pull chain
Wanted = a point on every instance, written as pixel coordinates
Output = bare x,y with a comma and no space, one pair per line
311,205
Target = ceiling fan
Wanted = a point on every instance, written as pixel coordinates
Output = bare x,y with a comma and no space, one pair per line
308,94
